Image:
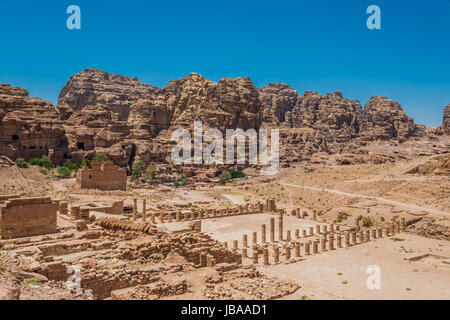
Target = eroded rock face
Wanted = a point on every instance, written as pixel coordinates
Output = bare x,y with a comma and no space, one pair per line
228,104
93,86
277,100
446,120
384,119
29,127
332,115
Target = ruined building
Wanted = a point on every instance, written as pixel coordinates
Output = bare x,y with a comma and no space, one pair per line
103,176
27,217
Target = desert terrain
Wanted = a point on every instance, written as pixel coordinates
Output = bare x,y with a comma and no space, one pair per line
93,207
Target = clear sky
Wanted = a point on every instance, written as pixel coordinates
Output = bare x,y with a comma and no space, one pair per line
318,45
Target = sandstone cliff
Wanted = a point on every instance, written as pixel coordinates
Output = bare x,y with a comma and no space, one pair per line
93,86
29,127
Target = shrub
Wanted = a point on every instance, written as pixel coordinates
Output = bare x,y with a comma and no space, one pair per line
64,171
367,222
21,163
150,172
100,157
225,177
181,181
41,162
237,174
138,170
43,171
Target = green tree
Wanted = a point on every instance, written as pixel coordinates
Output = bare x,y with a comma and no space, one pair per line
138,170
21,163
225,177
150,172
100,157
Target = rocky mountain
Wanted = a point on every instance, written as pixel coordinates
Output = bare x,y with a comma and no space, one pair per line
446,120
127,119
93,86
29,127
384,119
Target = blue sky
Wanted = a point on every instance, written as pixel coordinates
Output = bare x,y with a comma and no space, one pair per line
318,45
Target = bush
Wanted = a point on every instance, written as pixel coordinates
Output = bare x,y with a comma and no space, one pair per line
100,157
21,163
237,174
181,181
367,222
64,171
150,172
138,170
225,177
41,162
43,171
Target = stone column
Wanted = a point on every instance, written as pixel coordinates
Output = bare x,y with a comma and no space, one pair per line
323,244
325,229
288,235
347,239
380,232
338,228
318,229
361,236
244,241
144,210
244,252
311,231
235,244
297,249
153,218
297,233
280,227
272,230
331,242
367,236
177,218
255,254
135,210
307,248
255,238
315,247
403,225
276,253
314,217
353,234
373,233
266,256
303,233
397,226
263,233
331,227
169,215
161,217
339,240
288,252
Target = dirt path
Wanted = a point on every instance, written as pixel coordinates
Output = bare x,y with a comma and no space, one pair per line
354,195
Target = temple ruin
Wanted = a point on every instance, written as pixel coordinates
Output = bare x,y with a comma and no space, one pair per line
103,176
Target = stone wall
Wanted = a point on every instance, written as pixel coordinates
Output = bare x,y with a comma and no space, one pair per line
103,176
27,217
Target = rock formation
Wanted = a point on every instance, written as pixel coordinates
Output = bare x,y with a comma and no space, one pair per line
29,127
384,119
93,86
446,120
277,100
127,119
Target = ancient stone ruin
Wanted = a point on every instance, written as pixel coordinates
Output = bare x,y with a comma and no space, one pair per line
103,176
26,217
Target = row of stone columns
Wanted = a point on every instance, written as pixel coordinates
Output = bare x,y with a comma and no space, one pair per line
326,242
